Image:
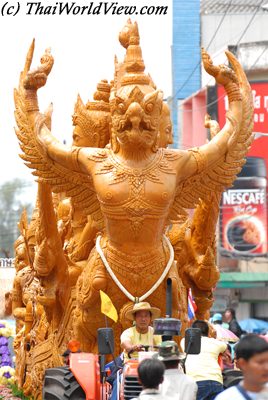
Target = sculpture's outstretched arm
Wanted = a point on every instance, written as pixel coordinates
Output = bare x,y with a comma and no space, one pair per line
214,166
51,161
229,79
32,80
206,155
66,156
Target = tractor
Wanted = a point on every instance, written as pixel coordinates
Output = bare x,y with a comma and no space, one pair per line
85,378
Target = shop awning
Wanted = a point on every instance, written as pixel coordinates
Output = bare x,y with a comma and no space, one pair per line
243,280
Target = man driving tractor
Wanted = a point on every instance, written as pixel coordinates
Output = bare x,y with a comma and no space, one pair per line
141,334
136,338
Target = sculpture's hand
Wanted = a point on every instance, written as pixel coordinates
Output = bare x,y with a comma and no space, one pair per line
37,78
222,74
34,80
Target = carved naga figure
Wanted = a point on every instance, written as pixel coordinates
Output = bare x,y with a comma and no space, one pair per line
136,189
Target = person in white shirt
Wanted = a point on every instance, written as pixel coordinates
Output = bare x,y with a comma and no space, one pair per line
176,384
252,358
204,367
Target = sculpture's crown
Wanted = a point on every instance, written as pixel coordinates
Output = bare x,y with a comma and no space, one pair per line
131,71
101,97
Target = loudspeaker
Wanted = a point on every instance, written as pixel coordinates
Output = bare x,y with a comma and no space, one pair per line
192,341
105,341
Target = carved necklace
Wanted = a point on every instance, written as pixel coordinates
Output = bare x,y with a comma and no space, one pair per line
136,176
119,284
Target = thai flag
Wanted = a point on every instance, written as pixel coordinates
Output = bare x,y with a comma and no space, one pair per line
191,306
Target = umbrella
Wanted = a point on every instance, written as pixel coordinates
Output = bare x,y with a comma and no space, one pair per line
225,334
254,325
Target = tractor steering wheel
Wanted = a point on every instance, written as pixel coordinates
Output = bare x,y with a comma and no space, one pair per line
145,347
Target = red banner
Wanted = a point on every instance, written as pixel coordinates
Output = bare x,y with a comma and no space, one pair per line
260,99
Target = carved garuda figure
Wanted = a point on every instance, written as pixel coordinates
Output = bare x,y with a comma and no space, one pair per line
134,188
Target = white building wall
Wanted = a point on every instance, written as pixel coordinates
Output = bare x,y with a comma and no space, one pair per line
230,33
231,30
243,311
261,310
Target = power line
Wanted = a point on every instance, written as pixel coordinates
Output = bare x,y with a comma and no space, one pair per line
245,30
250,21
257,59
210,42
215,33
222,96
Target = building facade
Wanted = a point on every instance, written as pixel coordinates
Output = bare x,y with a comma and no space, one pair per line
242,28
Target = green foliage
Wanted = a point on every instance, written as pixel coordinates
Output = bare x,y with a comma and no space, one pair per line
12,202
18,392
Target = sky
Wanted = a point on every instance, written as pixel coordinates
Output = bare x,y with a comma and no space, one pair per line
83,47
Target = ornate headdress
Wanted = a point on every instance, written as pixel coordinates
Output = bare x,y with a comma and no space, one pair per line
131,70
132,85
94,117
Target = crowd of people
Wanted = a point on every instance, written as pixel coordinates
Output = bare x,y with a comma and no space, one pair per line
251,358
169,374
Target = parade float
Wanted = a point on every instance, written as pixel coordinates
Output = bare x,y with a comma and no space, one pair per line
112,211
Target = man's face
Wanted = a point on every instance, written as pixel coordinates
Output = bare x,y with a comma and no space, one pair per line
143,320
255,370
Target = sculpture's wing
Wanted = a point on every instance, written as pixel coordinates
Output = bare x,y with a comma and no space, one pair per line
74,184
222,173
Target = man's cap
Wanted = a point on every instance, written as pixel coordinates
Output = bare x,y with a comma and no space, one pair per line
216,317
143,306
169,351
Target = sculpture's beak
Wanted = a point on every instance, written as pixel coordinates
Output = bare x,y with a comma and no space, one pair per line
134,115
